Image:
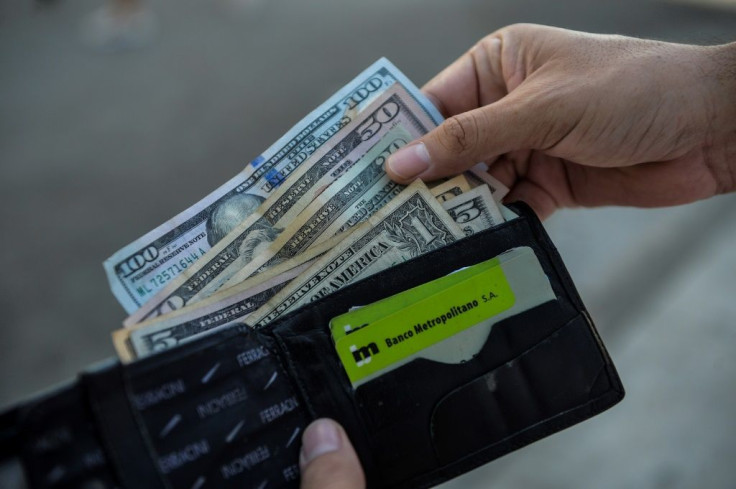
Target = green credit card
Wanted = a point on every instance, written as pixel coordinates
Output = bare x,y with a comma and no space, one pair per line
446,320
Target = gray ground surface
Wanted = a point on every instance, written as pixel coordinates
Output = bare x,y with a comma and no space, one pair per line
97,149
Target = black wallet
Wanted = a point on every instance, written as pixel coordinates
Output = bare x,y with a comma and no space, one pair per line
228,409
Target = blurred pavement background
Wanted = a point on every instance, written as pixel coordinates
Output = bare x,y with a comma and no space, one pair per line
96,149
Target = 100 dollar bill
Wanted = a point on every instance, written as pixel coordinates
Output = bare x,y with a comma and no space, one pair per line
144,267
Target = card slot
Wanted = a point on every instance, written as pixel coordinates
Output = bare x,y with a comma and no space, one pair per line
397,406
460,416
556,383
378,399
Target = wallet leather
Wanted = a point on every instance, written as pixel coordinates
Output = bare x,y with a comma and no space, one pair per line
228,409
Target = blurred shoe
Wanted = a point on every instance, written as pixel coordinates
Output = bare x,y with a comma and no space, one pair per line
114,28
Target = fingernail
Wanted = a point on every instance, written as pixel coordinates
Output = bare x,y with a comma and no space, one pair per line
320,437
410,161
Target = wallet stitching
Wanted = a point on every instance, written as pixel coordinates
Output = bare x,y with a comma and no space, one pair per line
293,373
555,259
612,372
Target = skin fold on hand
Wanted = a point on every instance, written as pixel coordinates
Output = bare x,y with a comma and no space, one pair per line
568,119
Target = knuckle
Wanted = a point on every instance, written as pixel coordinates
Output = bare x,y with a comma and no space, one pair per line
525,28
458,134
479,47
487,47
513,29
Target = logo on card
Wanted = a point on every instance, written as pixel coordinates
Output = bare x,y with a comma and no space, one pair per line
364,354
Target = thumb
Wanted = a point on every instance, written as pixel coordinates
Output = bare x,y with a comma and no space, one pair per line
465,139
327,459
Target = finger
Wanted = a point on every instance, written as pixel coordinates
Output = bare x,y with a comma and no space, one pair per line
541,201
327,459
655,184
539,181
473,80
465,139
548,183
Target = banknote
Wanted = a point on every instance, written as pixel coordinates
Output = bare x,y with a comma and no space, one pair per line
508,214
410,225
474,210
171,330
395,106
479,176
220,309
142,268
363,209
350,200
451,188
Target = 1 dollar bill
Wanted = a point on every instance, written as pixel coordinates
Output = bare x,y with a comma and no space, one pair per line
412,224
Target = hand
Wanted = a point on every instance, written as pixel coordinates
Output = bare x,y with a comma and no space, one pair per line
565,119
327,459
